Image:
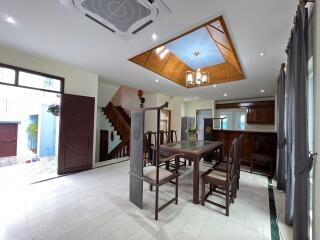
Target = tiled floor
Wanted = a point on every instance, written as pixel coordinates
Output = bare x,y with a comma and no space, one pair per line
25,173
94,205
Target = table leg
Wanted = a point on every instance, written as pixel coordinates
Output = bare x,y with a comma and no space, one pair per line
196,180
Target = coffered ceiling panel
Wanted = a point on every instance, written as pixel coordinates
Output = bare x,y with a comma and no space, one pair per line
207,47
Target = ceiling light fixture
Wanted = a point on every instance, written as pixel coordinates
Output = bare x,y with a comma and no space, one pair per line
262,54
225,95
154,36
157,80
197,78
215,85
10,20
262,91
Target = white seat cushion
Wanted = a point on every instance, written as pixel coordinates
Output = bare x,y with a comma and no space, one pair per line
218,175
151,171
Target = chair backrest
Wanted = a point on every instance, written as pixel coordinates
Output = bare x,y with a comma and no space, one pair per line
262,144
232,158
172,136
239,149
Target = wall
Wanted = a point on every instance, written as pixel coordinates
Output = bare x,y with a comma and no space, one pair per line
77,81
175,107
105,94
316,207
193,106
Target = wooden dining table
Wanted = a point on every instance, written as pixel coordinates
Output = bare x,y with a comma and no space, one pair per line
193,151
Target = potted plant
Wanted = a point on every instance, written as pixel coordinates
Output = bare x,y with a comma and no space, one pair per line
192,134
32,131
54,109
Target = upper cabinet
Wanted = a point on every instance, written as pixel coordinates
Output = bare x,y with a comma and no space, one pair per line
260,115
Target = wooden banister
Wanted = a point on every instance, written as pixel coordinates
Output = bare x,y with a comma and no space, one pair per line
117,120
121,125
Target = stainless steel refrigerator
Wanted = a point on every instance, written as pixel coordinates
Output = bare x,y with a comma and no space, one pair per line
186,123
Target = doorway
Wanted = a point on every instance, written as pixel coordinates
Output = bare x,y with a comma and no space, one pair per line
201,115
29,125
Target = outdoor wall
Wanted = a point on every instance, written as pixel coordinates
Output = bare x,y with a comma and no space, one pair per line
77,81
316,207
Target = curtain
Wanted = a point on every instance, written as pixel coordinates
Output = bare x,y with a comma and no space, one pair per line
299,163
280,169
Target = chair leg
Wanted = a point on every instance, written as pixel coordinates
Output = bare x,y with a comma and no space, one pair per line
185,162
177,190
157,203
251,165
150,187
227,200
189,163
203,192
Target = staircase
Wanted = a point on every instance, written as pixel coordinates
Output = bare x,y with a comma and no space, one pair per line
121,122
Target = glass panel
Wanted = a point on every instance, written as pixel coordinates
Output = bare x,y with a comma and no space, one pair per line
7,75
37,81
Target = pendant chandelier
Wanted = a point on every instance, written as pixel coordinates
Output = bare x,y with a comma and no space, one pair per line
197,78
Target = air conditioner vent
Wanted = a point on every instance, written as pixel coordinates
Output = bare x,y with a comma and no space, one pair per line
123,17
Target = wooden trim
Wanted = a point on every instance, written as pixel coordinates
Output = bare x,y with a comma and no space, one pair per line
236,69
20,69
245,104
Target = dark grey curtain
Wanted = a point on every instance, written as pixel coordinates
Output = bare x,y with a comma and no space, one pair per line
299,163
280,169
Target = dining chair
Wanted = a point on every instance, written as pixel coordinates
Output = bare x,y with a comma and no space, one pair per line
221,180
261,154
157,176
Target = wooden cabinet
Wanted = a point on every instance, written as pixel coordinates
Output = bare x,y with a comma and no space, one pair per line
226,136
260,115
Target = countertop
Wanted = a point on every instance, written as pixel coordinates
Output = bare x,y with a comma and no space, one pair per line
246,130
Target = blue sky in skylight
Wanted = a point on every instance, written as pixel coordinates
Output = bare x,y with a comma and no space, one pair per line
197,41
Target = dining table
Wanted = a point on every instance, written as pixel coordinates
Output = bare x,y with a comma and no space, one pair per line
193,151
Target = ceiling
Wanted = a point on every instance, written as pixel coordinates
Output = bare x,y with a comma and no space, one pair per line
198,41
55,30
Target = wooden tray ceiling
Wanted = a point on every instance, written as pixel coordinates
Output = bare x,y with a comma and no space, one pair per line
174,69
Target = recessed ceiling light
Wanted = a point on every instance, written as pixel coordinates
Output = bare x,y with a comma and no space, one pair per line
214,85
262,54
225,95
10,20
154,36
262,90
157,80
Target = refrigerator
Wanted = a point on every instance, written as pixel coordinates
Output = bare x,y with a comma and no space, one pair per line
186,123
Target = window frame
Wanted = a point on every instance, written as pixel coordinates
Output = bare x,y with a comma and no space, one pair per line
20,69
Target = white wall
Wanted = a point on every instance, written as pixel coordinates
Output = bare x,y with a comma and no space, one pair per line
77,81
105,94
193,106
175,107
316,208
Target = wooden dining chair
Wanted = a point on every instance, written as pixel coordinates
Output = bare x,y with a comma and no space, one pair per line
222,166
262,152
221,180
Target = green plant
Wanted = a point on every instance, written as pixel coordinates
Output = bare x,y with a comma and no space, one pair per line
32,130
192,131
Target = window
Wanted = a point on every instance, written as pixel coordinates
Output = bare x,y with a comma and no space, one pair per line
30,79
7,75
224,121
37,81
242,121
